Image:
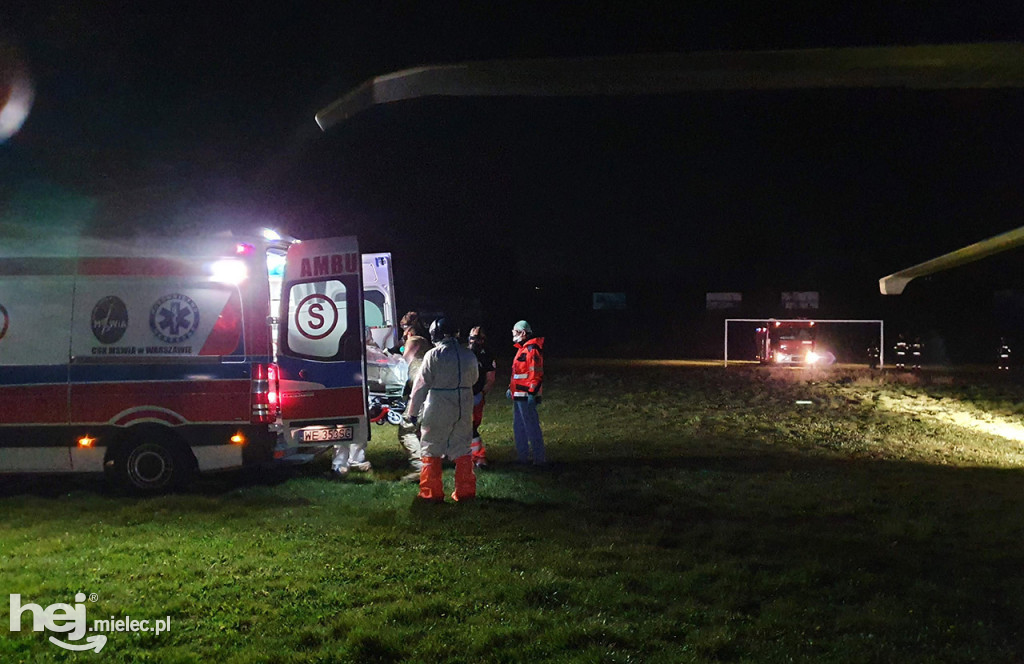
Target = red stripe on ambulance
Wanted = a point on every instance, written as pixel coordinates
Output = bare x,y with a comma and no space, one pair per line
148,414
34,404
192,401
341,402
150,266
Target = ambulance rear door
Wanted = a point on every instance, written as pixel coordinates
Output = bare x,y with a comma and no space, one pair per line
380,310
321,351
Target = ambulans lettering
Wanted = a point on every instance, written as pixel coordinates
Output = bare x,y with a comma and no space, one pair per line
322,266
174,318
109,320
4,321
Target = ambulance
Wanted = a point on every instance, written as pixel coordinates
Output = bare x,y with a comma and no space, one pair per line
152,359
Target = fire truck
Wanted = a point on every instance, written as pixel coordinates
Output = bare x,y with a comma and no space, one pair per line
151,359
786,342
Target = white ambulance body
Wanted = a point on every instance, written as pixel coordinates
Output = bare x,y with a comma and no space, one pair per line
154,358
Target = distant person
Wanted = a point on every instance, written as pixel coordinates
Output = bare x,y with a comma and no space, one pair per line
444,389
873,355
901,349
916,350
487,368
413,346
1004,355
525,390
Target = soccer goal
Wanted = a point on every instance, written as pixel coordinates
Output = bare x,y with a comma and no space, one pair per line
846,335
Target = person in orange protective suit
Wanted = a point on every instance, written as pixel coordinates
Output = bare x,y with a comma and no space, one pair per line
445,390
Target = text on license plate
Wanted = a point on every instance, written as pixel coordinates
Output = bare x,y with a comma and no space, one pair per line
318,435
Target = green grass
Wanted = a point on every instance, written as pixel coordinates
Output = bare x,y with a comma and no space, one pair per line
690,515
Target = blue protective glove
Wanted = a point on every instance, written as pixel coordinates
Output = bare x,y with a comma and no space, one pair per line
412,419
531,397
477,398
508,394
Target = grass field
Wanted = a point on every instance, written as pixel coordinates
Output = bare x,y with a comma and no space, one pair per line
691,514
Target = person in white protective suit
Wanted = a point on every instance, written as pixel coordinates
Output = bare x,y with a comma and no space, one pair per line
445,390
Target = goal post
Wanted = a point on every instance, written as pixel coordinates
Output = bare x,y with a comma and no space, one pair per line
816,321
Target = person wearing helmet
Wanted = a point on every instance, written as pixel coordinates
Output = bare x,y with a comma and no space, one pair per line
488,368
444,389
525,390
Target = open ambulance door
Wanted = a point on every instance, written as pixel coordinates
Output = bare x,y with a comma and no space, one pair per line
321,349
380,310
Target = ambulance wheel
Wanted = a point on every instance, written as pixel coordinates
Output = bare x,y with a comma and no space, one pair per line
151,465
394,417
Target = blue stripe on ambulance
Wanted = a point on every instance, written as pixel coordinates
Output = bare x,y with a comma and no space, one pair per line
39,374
110,373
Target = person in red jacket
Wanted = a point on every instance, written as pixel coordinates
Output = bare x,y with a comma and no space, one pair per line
525,390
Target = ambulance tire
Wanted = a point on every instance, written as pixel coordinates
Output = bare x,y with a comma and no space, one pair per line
153,462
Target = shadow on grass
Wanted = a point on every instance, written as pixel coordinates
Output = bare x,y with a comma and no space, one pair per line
44,485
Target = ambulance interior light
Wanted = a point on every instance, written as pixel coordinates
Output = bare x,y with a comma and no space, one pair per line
271,235
275,264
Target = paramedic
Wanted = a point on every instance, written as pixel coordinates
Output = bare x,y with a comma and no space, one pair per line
525,391
414,346
444,388
353,456
488,368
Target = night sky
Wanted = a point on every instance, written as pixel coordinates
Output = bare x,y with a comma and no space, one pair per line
184,116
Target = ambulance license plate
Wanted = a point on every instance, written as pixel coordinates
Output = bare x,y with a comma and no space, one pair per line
321,435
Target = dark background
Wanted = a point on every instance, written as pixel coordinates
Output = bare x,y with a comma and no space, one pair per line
196,116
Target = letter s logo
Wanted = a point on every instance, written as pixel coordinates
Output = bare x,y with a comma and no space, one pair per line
316,313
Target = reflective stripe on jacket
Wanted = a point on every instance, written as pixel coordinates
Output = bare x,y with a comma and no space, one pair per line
528,369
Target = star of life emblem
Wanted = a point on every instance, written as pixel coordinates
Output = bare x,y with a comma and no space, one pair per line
174,318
